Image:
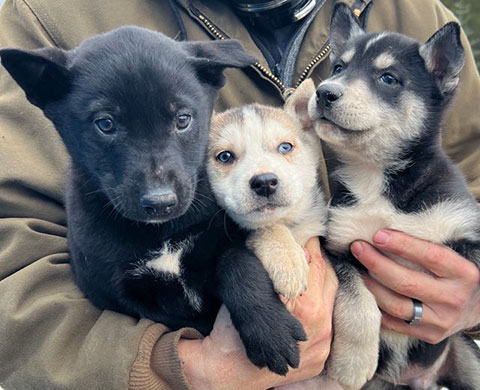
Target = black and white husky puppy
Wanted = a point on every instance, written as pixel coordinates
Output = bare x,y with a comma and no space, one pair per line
381,112
133,108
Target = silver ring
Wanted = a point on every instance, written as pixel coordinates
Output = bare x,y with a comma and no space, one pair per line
417,312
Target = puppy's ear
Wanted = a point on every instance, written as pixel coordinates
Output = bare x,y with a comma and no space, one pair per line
297,103
343,27
444,57
40,73
210,58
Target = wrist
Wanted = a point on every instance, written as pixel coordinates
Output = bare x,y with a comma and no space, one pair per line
190,353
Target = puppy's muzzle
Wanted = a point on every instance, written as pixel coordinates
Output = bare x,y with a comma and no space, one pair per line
265,184
327,95
159,202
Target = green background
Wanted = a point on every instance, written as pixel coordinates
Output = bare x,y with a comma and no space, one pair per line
468,12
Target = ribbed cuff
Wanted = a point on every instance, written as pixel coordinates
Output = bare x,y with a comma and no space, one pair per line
157,365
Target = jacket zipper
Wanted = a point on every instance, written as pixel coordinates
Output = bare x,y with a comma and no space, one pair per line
215,31
326,48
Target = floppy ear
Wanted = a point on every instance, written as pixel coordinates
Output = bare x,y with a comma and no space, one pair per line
40,73
297,103
444,56
343,27
210,58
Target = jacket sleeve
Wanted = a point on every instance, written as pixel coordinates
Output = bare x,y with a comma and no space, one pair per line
51,337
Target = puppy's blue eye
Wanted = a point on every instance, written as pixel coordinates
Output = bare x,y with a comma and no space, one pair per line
183,121
285,147
388,79
225,157
337,69
105,125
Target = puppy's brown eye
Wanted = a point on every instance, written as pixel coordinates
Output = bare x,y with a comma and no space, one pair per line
225,157
105,125
183,121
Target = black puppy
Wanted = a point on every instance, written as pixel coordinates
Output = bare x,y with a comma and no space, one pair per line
133,108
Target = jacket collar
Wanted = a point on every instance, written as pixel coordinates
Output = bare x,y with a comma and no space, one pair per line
224,19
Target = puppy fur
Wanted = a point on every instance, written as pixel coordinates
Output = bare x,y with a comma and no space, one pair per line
133,108
254,143
381,112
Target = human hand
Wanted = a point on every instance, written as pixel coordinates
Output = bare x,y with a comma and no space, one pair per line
450,292
219,361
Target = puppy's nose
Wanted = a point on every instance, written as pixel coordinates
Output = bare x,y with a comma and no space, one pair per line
159,202
328,94
265,184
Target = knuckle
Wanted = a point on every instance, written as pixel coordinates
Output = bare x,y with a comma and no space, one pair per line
448,326
407,286
434,253
458,302
322,357
433,337
327,331
471,274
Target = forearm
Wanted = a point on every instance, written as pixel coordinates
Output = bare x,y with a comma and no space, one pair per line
52,337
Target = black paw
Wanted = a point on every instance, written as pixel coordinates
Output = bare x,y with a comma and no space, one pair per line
271,340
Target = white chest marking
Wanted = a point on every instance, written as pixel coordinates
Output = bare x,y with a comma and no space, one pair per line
451,219
167,259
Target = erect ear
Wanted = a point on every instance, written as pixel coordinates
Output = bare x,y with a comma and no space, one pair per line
343,27
297,103
210,58
40,73
444,56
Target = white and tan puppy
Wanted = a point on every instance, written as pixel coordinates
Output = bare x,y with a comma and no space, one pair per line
262,166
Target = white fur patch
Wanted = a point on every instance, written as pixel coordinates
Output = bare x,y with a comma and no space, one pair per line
167,259
384,60
451,219
348,55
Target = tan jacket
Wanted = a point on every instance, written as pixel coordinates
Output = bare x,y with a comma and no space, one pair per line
51,337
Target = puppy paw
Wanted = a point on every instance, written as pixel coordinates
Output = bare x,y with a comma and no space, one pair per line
354,372
282,257
272,340
290,273
354,355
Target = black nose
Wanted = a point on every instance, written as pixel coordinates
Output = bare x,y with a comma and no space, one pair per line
328,94
159,202
265,184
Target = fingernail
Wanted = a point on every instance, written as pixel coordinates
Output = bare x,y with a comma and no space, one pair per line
357,248
381,237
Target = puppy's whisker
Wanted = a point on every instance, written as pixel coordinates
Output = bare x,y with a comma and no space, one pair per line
205,197
213,217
